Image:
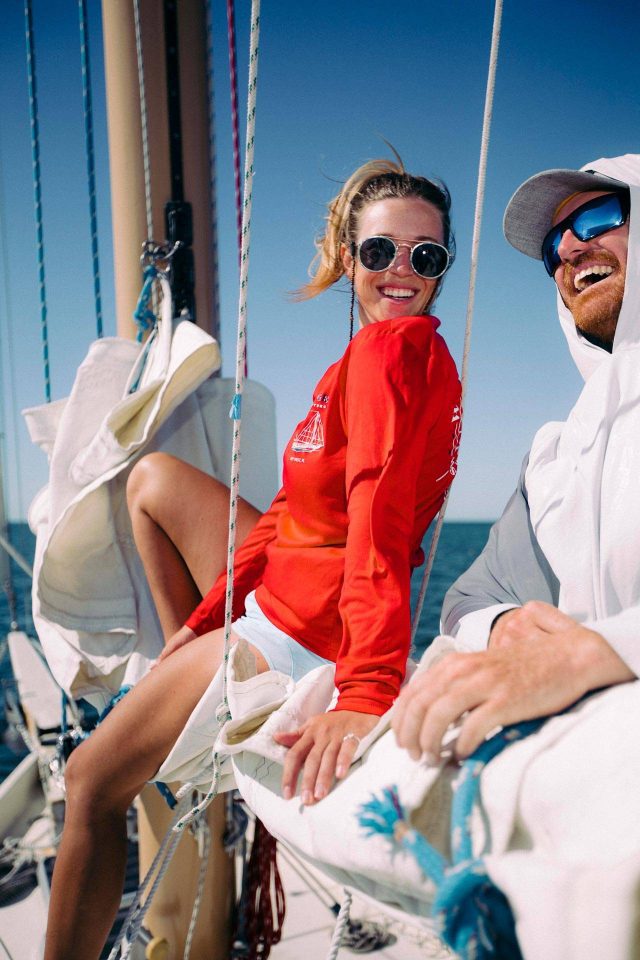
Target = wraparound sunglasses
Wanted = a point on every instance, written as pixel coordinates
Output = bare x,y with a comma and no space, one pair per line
592,219
428,259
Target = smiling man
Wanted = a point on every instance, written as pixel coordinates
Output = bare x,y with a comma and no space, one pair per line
546,622
582,265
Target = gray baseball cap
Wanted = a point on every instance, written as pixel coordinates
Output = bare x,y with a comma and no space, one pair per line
529,213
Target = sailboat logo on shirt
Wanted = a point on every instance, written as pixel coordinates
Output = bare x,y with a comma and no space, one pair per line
310,437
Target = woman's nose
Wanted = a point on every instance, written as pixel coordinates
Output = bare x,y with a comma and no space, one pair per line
402,262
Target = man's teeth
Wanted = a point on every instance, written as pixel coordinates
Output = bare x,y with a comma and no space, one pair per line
401,293
585,277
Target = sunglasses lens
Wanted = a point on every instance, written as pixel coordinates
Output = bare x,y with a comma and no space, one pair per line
550,256
598,216
429,259
377,253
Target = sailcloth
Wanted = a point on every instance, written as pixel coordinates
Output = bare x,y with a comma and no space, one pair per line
92,607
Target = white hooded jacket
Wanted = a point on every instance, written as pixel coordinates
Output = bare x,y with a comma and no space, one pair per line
570,534
582,478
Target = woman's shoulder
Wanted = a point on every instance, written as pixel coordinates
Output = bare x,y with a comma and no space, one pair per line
405,336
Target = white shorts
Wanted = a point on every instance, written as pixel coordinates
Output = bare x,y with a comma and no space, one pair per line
281,651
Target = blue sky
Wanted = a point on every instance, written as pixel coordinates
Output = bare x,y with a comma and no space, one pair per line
335,79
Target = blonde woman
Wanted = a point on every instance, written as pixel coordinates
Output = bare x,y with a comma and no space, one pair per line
323,576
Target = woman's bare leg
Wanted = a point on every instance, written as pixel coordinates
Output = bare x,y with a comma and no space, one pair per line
179,517
103,777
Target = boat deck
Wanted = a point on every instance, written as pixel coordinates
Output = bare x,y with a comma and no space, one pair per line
309,923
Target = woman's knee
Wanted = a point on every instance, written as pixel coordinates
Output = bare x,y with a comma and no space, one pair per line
149,481
158,478
86,788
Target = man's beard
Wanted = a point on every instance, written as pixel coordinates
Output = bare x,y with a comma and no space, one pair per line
596,314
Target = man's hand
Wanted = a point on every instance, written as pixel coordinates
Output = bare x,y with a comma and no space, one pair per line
539,662
324,746
179,639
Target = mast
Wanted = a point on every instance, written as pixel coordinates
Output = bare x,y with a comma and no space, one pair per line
172,180
125,146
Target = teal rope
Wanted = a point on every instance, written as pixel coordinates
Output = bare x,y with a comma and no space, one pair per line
37,190
474,916
91,167
143,316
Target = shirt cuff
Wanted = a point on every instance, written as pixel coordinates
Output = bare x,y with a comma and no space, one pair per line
473,631
622,633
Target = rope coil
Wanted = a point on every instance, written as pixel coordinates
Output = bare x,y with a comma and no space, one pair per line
260,921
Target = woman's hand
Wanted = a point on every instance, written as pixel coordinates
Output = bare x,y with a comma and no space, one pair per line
325,746
181,637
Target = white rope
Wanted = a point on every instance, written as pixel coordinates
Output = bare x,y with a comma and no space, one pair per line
236,407
213,204
242,327
341,923
475,245
203,839
144,121
133,921
16,556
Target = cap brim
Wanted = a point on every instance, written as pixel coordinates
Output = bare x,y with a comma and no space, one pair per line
529,213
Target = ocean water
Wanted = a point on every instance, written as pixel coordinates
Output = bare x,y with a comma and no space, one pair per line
460,543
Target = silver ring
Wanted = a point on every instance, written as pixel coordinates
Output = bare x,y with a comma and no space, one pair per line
351,736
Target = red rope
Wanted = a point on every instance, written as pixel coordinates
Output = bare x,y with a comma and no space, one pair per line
264,929
235,123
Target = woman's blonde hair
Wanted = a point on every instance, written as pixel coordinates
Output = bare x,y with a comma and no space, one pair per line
374,180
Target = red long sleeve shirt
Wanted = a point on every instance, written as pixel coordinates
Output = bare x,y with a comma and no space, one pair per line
364,474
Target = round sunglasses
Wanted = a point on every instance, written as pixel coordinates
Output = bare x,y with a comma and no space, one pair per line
428,259
590,220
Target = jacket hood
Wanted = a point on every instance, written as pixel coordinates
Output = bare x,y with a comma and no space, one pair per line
588,356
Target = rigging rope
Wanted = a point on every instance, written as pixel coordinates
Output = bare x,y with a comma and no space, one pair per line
475,244
203,839
341,924
91,166
144,121
133,921
10,366
236,410
37,190
213,205
16,556
235,125
236,407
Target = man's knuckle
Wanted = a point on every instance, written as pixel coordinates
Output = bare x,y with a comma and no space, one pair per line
533,607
